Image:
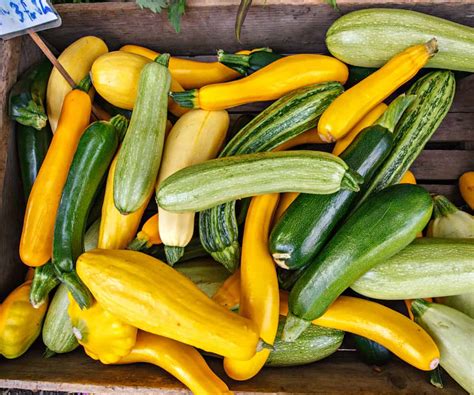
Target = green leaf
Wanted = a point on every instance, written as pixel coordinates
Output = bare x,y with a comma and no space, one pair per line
175,12
153,5
333,4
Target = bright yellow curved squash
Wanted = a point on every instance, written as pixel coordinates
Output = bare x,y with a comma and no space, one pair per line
350,107
259,299
182,361
115,77
189,73
77,59
103,336
20,322
152,296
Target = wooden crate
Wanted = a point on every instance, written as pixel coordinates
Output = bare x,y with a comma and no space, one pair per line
287,26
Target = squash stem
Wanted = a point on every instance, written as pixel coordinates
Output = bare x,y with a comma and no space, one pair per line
48,353
435,378
187,99
294,327
85,84
394,112
432,46
137,244
79,291
120,123
163,59
351,180
419,307
229,257
44,281
237,62
173,254
443,207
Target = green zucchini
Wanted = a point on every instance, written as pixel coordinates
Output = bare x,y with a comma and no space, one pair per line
32,146
372,353
434,95
426,268
45,278
314,344
306,225
385,224
93,156
57,328
463,303
27,97
452,332
193,250
217,181
44,281
248,64
140,156
206,273
286,118
370,37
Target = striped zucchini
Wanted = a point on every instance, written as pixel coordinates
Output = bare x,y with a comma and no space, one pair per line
390,31
426,268
140,156
217,181
314,344
288,117
57,328
434,94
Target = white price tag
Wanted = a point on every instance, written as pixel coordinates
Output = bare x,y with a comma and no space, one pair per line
19,16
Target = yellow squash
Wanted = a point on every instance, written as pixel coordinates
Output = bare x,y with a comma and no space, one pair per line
103,336
77,59
182,361
269,83
148,236
350,107
374,321
115,76
309,137
189,73
36,243
366,121
259,300
196,137
20,322
117,230
285,201
408,178
152,296
466,187
228,294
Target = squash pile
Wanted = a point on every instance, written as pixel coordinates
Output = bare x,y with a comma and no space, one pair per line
254,240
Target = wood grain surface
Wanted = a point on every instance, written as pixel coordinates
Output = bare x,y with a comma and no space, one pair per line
342,373
287,26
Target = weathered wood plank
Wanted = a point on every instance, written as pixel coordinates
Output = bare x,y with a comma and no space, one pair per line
442,164
451,191
341,373
206,27
11,195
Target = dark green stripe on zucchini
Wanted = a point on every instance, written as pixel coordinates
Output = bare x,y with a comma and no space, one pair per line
93,156
286,118
27,97
385,224
434,94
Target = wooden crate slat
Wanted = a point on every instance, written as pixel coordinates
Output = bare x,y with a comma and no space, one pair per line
207,27
442,164
75,372
451,191
11,193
